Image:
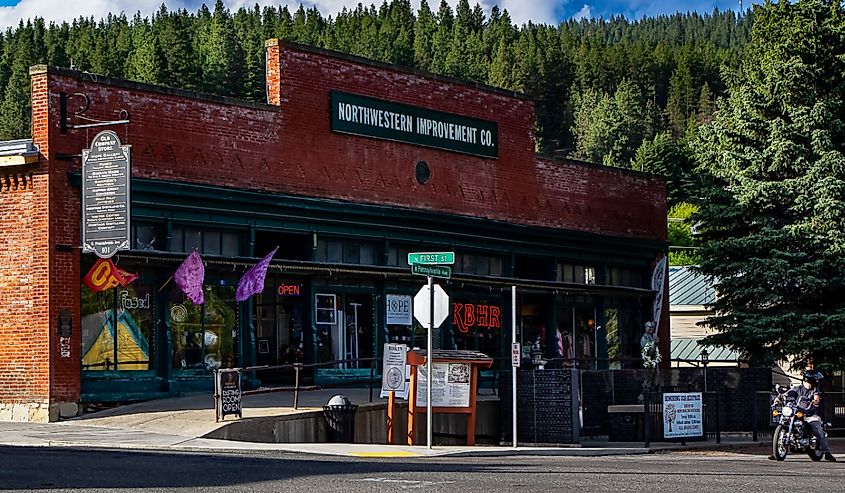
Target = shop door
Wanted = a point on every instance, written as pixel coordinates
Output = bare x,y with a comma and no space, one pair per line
345,332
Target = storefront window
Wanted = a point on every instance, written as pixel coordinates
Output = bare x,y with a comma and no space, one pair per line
204,336
207,242
477,324
585,337
118,327
614,348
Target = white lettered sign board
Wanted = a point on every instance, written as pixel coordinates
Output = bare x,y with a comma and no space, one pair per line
683,415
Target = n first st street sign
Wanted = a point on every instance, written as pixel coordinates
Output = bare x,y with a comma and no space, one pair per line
431,258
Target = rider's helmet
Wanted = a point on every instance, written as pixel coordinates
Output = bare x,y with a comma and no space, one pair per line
813,377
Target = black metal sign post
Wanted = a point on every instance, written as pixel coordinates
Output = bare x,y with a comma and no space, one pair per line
106,173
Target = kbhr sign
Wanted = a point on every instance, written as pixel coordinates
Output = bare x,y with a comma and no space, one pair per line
106,172
466,316
381,119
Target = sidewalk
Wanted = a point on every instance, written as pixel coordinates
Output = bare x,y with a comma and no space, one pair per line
180,424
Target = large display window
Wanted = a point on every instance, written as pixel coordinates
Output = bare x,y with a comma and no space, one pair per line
204,337
118,326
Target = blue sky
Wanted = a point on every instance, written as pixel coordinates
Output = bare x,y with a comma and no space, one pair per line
538,11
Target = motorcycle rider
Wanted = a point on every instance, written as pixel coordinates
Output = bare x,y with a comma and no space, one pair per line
809,398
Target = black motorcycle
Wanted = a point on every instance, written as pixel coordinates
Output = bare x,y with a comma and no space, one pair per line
793,433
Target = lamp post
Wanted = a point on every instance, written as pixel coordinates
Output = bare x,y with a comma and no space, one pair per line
705,358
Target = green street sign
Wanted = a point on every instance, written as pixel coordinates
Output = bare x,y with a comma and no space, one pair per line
431,258
432,270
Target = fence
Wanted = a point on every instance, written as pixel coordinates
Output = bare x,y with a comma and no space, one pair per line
730,387
278,373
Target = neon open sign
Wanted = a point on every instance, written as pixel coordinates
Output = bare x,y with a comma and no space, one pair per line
289,289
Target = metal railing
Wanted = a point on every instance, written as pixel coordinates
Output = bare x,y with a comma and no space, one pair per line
299,367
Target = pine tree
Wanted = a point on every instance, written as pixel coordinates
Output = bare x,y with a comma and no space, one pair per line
772,208
144,62
15,109
424,30
221,54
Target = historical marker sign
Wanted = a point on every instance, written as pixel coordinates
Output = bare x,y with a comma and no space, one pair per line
106,172
393,367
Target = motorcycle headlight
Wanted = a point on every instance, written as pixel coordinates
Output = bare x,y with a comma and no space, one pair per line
787,411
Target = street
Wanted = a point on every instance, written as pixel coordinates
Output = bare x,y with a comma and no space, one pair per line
67,469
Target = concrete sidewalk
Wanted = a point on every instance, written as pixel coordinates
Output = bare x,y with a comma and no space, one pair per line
181,424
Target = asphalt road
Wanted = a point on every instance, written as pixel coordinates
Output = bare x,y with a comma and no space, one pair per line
65,469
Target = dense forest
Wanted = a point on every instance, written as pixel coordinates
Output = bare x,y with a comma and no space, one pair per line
613,91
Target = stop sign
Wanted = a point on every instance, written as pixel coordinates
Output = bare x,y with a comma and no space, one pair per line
422,306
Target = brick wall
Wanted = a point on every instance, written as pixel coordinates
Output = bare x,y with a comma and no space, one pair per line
25,284
291,149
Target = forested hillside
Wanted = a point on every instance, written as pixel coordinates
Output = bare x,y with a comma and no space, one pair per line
613,91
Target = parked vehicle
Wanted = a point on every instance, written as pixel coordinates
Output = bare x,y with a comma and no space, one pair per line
793,433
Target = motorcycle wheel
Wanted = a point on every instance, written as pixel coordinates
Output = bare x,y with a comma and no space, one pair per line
779,443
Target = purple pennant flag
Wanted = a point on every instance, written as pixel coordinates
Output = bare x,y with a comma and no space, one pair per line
189,277
253,281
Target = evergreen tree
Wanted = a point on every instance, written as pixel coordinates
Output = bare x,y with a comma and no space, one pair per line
15,109
220,54
424,30
144,62
772,208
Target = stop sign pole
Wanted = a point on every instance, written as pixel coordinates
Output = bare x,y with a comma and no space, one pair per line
430,354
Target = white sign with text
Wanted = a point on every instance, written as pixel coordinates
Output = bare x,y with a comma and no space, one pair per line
683,415
399,309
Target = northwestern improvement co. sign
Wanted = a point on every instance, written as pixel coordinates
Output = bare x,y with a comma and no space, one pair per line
370,117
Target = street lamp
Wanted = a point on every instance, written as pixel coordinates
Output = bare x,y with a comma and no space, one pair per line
705,358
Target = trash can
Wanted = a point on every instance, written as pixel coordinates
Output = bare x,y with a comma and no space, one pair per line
340,418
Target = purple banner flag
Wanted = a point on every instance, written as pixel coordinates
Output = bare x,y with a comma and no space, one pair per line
253,281
189,277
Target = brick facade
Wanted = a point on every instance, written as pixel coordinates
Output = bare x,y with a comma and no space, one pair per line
284,147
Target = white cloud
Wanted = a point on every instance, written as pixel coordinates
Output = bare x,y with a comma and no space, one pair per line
585,13
521,11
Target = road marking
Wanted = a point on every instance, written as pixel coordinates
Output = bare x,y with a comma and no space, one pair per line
386,454
405,484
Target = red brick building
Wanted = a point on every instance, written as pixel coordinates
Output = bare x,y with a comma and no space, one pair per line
351,165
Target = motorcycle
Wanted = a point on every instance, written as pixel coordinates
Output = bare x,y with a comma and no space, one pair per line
793,433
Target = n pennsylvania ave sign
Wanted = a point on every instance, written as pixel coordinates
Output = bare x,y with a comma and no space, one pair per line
105,195
431,270
431,258
381,119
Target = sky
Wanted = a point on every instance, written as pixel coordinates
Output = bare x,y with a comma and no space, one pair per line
522,11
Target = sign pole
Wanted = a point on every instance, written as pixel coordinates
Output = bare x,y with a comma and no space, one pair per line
513,370
430,354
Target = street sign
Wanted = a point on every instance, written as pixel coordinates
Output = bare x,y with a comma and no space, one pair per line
431,258
422,306
516,354
442,271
